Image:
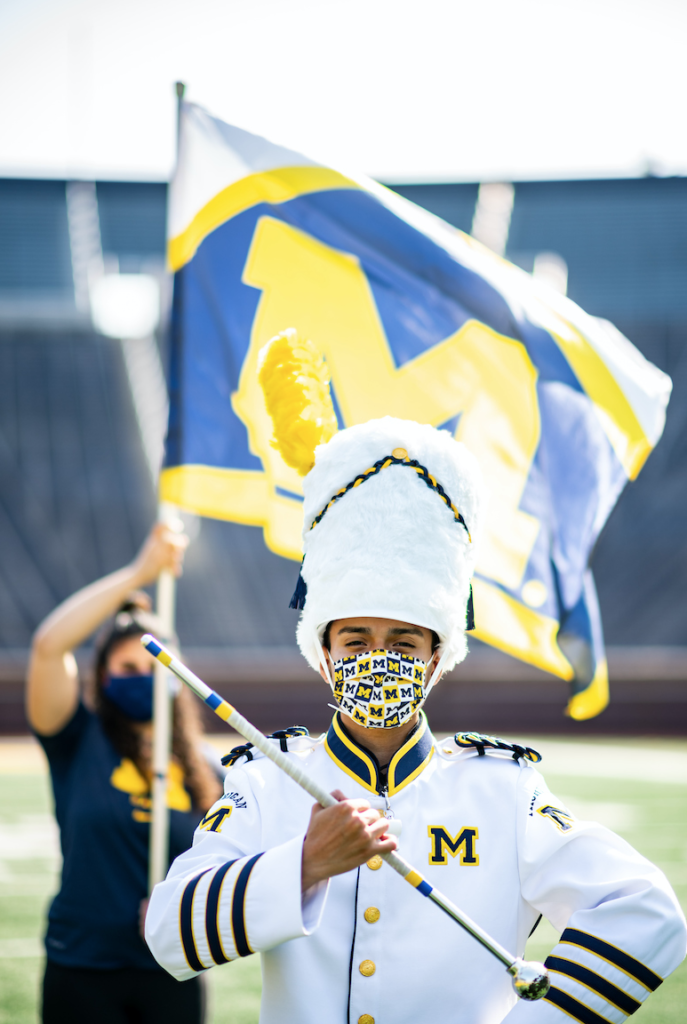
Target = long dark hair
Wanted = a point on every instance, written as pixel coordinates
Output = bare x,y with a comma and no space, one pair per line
134,618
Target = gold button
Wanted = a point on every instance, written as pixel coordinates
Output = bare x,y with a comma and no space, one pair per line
374,863
371,915
367,968
400,453
366,1019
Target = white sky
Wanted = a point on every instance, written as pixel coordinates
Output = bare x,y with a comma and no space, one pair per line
435,90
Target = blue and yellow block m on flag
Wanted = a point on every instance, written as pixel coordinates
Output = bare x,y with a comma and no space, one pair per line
415,320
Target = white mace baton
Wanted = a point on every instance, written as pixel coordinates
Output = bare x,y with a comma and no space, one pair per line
530,979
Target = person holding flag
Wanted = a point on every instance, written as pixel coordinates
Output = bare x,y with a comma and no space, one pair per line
393,519
99,751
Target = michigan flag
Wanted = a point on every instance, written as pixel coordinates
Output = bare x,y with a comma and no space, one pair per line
415,320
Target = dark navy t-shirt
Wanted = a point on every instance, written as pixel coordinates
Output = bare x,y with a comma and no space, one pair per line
103,811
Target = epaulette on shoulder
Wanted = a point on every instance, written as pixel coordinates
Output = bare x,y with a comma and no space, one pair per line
481,743
246,749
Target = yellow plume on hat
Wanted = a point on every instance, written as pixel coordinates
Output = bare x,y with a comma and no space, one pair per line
295,381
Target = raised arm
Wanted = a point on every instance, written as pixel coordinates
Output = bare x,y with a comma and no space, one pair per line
52,687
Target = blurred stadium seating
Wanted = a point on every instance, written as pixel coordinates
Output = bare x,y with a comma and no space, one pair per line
76,495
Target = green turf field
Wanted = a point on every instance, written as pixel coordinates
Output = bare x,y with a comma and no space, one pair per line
604,781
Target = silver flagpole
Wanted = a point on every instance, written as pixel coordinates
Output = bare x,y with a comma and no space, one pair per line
162,700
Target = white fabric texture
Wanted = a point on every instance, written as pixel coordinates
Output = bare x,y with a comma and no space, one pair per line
212,156
290,916
391,547
522,865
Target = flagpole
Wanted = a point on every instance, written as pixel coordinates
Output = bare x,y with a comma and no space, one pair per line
162,700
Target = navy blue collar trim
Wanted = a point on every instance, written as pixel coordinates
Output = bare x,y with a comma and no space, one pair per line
362,765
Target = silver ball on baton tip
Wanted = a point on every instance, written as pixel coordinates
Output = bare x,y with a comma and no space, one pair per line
530,979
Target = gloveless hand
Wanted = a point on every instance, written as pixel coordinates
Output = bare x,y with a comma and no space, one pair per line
341,838
163,550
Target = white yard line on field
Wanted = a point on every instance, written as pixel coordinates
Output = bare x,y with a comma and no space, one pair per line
31,836
14,949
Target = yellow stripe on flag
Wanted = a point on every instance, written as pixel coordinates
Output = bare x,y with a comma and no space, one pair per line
518,630
618,419
240,496
275,186
594,699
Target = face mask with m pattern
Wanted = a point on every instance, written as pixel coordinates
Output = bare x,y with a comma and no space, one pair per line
379,689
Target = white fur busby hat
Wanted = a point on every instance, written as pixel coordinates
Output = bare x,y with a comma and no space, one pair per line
391,519
391,545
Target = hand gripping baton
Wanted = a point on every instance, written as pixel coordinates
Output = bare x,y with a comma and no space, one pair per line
530,979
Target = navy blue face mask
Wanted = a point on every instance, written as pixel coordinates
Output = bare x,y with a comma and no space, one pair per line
133,695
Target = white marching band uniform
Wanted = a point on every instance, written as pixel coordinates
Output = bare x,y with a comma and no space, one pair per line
398,540
365,946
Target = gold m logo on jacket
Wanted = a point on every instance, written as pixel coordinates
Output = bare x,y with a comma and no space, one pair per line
561,818
463,844
213,821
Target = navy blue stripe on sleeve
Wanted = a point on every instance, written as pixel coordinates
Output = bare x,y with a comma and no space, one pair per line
238,916
608,991
639,971
211,913
186,923
575,1009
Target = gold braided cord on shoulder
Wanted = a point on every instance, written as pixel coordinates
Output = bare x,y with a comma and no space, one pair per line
393,460
295,381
